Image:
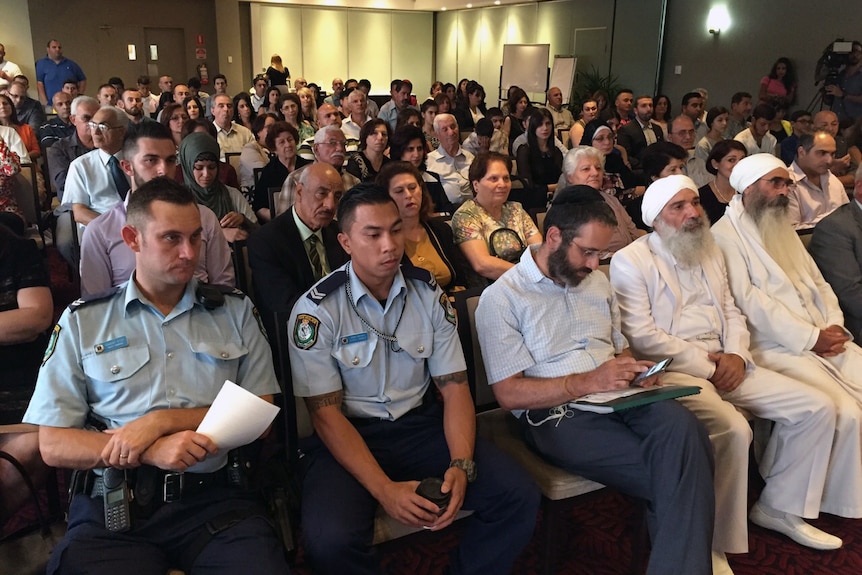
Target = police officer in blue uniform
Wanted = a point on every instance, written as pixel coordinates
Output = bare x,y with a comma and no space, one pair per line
367,342
125,381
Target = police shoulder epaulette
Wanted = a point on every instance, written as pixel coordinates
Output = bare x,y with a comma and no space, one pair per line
83,301
231,291
409,271
326,286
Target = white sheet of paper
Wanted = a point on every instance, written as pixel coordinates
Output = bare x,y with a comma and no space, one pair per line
236,417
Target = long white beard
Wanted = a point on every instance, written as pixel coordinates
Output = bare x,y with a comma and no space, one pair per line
780,240
690,244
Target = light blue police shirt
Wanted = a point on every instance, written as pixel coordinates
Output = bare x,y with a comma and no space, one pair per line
331,348
119,358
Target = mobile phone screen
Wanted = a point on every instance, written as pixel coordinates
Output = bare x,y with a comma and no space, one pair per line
657,368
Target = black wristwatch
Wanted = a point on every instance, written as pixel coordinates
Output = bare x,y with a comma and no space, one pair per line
468,466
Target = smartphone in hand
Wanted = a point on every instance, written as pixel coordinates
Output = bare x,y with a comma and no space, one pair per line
657,368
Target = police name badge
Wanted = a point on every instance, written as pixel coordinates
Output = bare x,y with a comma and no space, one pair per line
305,331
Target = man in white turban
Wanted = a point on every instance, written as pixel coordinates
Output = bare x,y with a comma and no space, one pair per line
675,302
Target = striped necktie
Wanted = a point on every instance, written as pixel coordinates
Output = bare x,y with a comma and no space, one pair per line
314,256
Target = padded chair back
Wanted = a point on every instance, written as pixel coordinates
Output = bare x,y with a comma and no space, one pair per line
232,158
563,135
274,195
805,235
27,195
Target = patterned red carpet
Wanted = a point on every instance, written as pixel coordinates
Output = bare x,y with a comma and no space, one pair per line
596,538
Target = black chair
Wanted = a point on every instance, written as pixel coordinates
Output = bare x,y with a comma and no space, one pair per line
241,267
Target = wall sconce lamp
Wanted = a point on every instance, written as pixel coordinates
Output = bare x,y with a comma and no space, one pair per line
718,20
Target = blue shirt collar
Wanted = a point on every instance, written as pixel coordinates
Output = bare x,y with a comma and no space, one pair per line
134,294
359,290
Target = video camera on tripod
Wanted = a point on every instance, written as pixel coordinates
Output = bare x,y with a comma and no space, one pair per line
830,65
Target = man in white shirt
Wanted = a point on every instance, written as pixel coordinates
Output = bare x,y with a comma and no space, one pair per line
230,135
756,137
563,118
450,161
681,132
8,70
258,95
818,192
95,182
354,103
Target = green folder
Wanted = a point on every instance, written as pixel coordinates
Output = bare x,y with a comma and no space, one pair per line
611,401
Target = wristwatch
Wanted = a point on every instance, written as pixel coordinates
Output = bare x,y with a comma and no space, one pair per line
468,466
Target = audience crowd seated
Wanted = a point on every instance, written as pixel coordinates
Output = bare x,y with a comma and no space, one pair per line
696,213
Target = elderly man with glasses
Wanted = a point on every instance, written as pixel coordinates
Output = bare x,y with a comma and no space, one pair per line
96,182
329,148
796,324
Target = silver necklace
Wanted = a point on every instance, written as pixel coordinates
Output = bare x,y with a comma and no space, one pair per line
393,341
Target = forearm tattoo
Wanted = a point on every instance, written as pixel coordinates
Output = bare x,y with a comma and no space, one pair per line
320,401
459,377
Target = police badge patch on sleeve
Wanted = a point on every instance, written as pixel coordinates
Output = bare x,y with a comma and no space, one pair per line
305,331
52,344
448,309
256,315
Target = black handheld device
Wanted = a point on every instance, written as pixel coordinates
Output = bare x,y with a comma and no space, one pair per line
430,489
116,497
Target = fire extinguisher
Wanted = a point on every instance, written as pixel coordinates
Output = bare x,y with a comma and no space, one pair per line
203,73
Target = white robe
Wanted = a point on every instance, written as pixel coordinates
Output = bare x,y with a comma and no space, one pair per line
782,333
797,459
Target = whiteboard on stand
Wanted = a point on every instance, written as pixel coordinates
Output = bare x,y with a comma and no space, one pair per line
526,66
563,75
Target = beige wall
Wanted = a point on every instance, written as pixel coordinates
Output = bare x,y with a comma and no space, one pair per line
322,43
470,42
16,38
86,27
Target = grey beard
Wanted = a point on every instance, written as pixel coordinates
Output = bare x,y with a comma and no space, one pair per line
688,246
779,238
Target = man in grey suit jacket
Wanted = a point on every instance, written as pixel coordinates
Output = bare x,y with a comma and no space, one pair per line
837,248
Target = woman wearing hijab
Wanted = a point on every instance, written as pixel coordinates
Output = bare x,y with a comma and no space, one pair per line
199,154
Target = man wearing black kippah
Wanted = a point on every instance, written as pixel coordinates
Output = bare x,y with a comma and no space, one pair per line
550,334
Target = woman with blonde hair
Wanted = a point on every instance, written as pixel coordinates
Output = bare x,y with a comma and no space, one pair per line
278,74
308,106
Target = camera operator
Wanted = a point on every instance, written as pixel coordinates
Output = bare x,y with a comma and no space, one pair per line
848,90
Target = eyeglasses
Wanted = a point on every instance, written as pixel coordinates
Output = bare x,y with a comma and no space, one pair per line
179,117
590,253
335,143
102,128
778,182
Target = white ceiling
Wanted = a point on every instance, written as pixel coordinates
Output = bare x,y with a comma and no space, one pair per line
422,5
